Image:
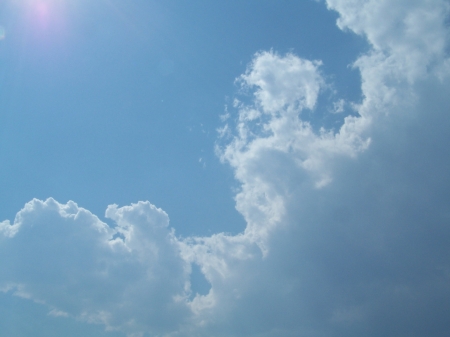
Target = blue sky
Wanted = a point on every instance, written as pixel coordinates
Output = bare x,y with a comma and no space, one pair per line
122,100
293,155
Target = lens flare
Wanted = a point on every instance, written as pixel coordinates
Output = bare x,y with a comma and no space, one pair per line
2,33
42,10
45,19
41,14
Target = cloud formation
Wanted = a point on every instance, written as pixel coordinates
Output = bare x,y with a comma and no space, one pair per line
347,230
63,256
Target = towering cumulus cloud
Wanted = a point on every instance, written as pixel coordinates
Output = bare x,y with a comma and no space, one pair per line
348,230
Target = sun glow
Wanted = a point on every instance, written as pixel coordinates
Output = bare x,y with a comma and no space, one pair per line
42,9
45,17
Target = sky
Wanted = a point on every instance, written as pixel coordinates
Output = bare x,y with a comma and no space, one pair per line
237,168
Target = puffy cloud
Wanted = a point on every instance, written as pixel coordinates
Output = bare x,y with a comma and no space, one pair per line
287,82
347,231
353,224
63,256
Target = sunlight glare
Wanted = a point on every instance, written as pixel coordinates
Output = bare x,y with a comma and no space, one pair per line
45,16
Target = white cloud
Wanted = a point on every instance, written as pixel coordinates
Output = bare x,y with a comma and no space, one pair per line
65,257
7,230
338,106
273,145
344,237
357,256
58,313
283,82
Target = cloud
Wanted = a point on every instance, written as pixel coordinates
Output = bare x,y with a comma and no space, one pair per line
338,106
347,231
63,256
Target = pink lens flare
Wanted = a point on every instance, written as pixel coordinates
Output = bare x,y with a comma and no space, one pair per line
46,18
2,33
41,14
42,10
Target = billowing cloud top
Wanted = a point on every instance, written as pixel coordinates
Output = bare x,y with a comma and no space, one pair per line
347,230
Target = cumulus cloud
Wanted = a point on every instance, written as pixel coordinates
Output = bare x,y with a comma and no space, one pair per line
347,230
64,257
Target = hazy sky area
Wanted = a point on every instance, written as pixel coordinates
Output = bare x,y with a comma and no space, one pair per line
294,154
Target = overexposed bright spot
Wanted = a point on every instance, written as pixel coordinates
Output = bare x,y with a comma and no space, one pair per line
41,12
46,18
42,9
